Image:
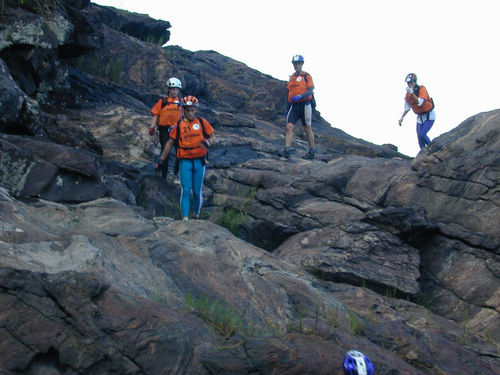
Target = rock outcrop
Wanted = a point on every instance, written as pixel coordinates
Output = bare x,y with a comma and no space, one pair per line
361,248
100,289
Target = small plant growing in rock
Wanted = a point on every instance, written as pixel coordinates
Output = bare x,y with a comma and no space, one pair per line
224,319
233,218
355,323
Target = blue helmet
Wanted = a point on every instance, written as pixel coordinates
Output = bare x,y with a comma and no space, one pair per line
297,58
356,363
411,77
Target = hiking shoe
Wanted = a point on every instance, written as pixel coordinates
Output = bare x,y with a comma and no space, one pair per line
286,153
309,155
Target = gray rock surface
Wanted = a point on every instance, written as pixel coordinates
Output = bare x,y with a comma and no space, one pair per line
361,248
100,288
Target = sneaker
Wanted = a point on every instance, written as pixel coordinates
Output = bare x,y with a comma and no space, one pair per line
309,155
286,152
185,218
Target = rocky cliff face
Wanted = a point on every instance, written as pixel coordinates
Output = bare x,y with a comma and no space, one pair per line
294,263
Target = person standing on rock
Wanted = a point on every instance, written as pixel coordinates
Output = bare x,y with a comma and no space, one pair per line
300,95
192,136
166,113
417,98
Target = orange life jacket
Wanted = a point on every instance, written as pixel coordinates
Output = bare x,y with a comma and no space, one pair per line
427,105
169,111
189,135
298,84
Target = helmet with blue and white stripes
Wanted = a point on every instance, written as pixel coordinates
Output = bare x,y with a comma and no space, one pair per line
298,59
356,363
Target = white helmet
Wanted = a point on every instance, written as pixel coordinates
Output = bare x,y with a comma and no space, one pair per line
174,83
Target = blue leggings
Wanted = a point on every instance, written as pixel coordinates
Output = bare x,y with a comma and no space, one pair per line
422,129
192,173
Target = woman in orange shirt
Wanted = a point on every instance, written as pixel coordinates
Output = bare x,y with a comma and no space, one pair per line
192,136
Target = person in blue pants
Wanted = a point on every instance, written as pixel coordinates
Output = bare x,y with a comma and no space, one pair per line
192,136
417,98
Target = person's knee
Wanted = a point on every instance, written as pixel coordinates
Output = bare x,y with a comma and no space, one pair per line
289,127
308,129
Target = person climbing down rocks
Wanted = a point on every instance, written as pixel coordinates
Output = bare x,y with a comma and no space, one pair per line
166,112
192,136
417,98
299,106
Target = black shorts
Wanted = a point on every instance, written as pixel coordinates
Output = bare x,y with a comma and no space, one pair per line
163,135
300,111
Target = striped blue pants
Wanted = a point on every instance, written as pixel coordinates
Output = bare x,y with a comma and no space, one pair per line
192,174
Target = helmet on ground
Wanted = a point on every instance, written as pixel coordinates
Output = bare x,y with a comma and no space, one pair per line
298,59
411,77
356,363
174,83
189,101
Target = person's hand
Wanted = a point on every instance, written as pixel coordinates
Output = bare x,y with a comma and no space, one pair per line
296,98
159,165
206,143
409,90
151,131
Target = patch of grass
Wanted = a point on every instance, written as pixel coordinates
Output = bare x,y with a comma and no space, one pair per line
171,209
232,218
108,70
141,195
391,292
154,39
114,71
355,323
332,319
225,320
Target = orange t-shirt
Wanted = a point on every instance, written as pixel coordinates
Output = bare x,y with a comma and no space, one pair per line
191,136
298,84
169,113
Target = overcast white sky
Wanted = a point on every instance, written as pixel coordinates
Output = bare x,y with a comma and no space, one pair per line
358,53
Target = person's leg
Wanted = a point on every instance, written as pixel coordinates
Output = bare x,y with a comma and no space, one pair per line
186,177
198,177
289,134
422,130
426,127
291,119
308,125
163,135
306,117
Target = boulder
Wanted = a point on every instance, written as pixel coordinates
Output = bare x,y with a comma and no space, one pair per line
101,288
19,113
356,253
456,182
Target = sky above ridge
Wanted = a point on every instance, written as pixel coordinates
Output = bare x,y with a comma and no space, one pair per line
358,53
